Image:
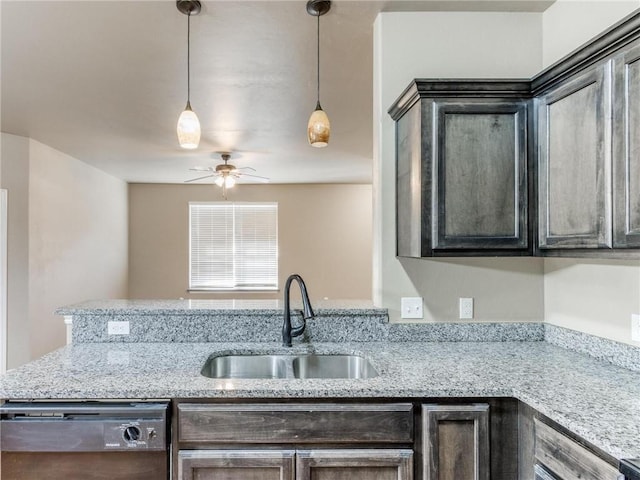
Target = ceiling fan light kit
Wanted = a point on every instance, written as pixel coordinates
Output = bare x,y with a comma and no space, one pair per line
319,127
188,128
226,175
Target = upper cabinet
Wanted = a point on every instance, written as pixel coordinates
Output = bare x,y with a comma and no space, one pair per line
574,160
462,168
547,167
626,147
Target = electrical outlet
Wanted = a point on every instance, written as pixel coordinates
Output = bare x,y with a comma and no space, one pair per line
411,307
635,327
466,308
118,328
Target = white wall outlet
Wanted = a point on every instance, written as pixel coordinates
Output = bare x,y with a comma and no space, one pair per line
118,328
635,327
466,308
411,307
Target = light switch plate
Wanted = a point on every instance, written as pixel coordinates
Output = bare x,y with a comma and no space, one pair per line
118,328
635,327
466,308
411,307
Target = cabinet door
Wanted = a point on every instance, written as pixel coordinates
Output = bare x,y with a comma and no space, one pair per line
360,464
236,464
574,147
626,141
480,175
455,442
567,459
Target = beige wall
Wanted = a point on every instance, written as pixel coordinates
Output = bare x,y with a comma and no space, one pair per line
77,240
597,297
67,235
568,24
448,45
14,164
324,234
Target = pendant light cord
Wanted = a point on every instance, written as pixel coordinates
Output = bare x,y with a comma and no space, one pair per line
189,59
318,72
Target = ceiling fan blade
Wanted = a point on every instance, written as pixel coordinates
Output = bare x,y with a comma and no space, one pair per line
200,178
246,168
201,169
255,178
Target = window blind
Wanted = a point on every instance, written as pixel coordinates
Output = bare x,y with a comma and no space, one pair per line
233,246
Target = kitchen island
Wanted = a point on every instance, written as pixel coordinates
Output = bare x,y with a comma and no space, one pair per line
593,399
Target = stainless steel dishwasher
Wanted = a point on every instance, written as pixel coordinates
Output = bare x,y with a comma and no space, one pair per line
87,440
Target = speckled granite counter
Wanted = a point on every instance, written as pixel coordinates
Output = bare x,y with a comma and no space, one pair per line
596,400
160,321
217,306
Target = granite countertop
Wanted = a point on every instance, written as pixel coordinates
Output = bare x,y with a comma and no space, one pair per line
596,400
218,306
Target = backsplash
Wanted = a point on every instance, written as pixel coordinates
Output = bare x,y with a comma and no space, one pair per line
617,353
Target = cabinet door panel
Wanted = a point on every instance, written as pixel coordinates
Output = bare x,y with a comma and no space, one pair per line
236,464
575,163
456,442
481,172
360,464
273,423
568,459
627,149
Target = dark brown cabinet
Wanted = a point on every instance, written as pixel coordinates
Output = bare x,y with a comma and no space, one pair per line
546,167
361,464
456,443
236,465
314,464
567,459
574,162
626,148
301,441
462,168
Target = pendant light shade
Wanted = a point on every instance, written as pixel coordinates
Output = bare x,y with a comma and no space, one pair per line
319,127
188,128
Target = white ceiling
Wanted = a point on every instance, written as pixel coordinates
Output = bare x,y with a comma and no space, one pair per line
105,81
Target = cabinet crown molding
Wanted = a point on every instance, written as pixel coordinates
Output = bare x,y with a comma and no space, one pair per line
458,88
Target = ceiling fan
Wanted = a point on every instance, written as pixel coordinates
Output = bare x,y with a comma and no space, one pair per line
226,175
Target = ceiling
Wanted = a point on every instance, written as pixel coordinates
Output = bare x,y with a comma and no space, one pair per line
105,81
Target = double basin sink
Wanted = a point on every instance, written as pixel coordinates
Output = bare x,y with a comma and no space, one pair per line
288,366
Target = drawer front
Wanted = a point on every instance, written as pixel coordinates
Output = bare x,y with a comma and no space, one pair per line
568,459
295,423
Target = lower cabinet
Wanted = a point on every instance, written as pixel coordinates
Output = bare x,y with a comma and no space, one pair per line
456,443
236,464
316,464
301,441
560,458
364,464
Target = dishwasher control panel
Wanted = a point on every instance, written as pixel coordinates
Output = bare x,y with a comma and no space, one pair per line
134,435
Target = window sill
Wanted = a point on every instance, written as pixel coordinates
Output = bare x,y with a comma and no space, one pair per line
233,290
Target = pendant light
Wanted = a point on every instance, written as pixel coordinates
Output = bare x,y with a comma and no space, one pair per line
319,128
188,124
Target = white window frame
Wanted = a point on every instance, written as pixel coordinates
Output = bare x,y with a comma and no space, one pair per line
235,242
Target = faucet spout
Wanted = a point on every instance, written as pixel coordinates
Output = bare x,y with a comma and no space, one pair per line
288,331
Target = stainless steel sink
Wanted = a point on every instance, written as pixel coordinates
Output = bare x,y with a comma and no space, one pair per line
333,366
288,366
246,366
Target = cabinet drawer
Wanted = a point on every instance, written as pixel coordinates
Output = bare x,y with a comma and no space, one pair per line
568,459
295,423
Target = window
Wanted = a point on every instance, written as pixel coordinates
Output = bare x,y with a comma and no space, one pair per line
233,246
